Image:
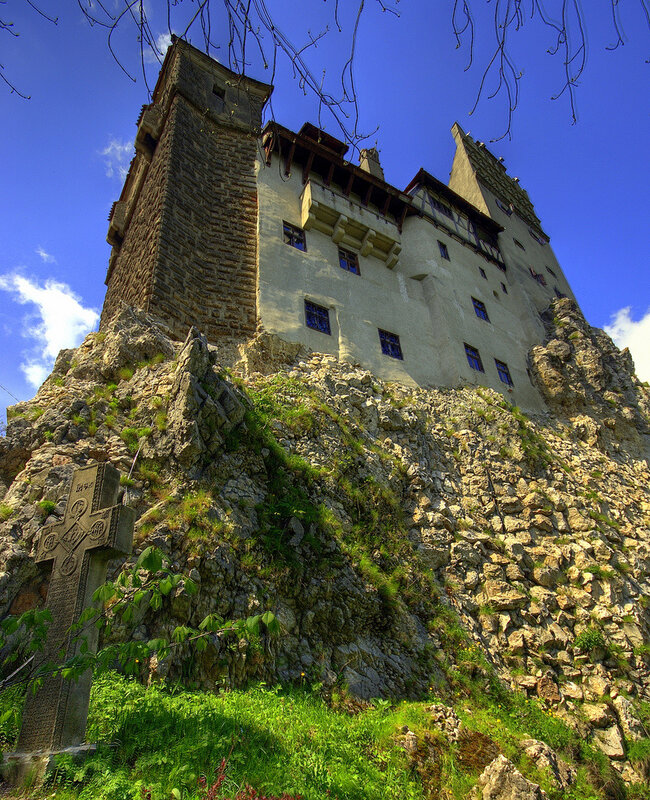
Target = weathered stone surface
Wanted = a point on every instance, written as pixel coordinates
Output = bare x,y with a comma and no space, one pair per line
501,780
610,741
503,596
545,758
522,596
93,530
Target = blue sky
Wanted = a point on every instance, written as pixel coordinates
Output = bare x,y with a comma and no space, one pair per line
67,147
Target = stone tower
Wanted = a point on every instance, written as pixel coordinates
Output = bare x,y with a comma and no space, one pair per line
184,231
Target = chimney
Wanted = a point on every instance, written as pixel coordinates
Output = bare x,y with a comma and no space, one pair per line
369,161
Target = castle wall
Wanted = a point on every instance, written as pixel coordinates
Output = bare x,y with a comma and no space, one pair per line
450,286
185,229
426,300
206,272
358,304
131,274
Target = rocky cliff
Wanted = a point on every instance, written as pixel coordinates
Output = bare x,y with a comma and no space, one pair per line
409,540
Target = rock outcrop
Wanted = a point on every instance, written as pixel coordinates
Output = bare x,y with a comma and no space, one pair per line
375,520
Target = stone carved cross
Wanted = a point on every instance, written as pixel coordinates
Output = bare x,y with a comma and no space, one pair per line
93,530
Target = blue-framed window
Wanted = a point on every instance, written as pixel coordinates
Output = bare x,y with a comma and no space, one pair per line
473,358
482,271
390,345
480,309
294,236
317,317
444,251
504,372
505,288
349,261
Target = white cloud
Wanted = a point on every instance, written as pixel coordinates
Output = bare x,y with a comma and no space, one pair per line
117,156
163,41
48,258
634,334
59,320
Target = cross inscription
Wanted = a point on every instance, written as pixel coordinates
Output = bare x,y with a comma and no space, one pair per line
93,530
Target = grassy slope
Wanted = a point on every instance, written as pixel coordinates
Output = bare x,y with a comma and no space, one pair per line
157,743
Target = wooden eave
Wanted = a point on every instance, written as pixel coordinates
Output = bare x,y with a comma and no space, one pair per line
321,157
423,178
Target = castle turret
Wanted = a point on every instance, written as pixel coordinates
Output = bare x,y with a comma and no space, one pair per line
184,231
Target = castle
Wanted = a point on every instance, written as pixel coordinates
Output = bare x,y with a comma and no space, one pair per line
239,230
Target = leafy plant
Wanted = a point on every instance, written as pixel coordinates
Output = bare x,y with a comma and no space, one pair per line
589,639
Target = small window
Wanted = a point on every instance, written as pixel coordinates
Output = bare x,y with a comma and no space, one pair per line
444,252
505,288
317,317
558,293
506,209
482,271
474,358
294,236
481,311
548,269
349,261
390,345
441,207
537,276
518,243
537,237
504,372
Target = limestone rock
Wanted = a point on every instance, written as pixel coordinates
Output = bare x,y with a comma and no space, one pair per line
545,758
610,741
501,780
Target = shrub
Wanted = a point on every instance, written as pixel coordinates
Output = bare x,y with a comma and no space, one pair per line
589,639
46,507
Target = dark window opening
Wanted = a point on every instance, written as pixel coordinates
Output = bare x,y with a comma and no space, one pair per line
390,345
349,261
506,209
482,271
294,236
441,207
518,243
537,276
444,252
474,358
505,288
548,269
558,293
219,91
479,308
317,317
504,372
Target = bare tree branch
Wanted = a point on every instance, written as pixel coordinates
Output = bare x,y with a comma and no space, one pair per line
249,33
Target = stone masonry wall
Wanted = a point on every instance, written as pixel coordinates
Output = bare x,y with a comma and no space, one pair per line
189,254
131,280
206,273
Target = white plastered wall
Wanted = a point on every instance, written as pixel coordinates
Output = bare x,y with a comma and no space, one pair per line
425,300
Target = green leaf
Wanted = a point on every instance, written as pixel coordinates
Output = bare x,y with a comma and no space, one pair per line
176,793
253,624
150,559
181,633
271,622
137,597
165,586
156,601
104,593
190,586
10,625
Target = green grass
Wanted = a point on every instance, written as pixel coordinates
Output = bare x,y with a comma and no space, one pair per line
152,741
